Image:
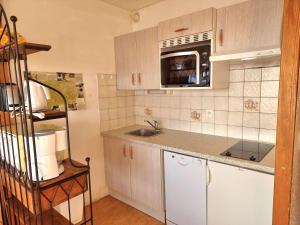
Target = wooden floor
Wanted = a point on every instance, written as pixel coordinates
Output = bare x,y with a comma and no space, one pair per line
110,211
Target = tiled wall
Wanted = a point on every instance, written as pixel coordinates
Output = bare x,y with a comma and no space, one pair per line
248,109
116,107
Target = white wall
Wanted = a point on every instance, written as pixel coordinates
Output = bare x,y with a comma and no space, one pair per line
81,35
168,9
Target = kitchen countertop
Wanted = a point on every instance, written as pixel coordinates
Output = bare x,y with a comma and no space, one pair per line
194,144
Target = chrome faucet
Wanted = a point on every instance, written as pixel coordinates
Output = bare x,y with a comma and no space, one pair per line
154,124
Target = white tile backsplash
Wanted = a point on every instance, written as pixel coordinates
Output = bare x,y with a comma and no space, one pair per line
251,120
236,89
222,112
195,102
165,113
175,114
271,73
104,114
196,127
268,105
185,125
116,107
251,104
221,92
268,121
235,118
252,89
266,135
221,130
237,75
156,112
250,133
185,102
185,114
208,128
234,112
235,132
208,103
207,116
236,104
253,74
269,88
221,117
221,103
174,102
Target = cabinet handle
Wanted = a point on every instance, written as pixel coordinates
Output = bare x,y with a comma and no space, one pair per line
208,176
181,29
131,152
124,150
221,37
132,79
140,78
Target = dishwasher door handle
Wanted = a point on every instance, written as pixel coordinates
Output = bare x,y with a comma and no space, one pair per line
183,163
208,176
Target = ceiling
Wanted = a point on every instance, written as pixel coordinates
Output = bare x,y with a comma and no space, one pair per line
132,5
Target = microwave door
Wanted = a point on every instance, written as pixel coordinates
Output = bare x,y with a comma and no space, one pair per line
181,68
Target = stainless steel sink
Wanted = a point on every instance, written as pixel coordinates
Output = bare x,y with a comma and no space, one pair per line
144,132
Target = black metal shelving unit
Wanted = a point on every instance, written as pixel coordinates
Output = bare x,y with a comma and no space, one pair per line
23,200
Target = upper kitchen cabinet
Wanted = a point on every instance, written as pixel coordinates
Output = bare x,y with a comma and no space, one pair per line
137,60
185,25
249,26
147,59
125,53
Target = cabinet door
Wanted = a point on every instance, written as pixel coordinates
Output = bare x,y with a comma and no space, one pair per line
266,25
126,67
194,23
203,20
233,27
117,166
252,25
148,75
176,27
239,196
146,176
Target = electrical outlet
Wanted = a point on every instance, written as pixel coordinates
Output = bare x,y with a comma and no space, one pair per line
209,114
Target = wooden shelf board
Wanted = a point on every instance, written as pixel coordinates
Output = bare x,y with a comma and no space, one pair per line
24,217
31,48
51,115
70,171
71,183
24,48
6,118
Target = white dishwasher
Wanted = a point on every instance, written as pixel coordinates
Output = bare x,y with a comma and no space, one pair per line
185,189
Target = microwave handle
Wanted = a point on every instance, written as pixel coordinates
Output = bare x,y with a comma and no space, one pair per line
181,54
198,68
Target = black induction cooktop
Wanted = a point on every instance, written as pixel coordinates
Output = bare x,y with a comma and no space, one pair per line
249,150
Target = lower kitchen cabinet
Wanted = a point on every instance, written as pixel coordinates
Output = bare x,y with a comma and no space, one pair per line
239,196
134,175
117,167
146,176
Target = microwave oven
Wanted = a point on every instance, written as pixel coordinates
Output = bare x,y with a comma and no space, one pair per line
185,65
